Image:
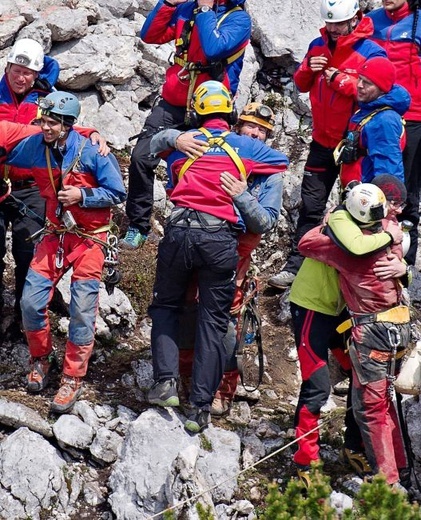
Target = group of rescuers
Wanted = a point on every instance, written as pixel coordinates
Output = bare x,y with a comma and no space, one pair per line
60,183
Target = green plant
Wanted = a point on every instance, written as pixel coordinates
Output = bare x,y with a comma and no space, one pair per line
375,501
298,502
205,443
204,514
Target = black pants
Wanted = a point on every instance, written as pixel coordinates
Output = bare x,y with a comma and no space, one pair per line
412,165
141,171
315,334
320,174
213,256
25,219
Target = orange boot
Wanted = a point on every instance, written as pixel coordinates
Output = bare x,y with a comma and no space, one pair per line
224,396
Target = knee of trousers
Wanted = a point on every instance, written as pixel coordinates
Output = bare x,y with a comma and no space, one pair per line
315,393
34,301
83,310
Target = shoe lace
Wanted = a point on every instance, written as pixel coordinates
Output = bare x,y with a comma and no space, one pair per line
69,385
131,234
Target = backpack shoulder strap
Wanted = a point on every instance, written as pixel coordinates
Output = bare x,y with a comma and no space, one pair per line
217,141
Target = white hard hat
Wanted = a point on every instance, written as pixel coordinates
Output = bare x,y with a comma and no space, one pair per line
366,203
27,53
334,11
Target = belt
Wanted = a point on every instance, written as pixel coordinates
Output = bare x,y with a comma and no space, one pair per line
399,314
22,184
194,219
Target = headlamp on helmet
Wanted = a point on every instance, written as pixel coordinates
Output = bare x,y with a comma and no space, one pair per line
27,53
260,114
61,106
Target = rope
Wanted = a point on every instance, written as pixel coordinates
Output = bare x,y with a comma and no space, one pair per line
188,501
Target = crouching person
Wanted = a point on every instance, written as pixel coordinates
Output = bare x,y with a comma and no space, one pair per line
79,187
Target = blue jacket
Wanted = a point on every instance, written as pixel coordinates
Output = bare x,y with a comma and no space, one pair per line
214,38
382,138
200,186
259,206
98,178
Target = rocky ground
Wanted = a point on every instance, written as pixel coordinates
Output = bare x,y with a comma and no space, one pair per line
109,382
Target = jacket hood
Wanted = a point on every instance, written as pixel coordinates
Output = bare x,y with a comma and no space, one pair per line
398,98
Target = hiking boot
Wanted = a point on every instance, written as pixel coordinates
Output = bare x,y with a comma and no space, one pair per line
164,393
41,367
303,473
358,461
198,419
282,280
133,239
68,393
220,406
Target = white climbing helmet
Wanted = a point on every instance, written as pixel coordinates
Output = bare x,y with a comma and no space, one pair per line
27,53
335,11
366,203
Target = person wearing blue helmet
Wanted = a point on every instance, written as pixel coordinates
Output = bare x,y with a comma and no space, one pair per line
79,187
210,38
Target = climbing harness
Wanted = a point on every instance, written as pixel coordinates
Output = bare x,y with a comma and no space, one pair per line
191,70
112,275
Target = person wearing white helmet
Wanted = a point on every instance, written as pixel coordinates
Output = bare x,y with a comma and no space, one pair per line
79,187
379,324
29,74
329,73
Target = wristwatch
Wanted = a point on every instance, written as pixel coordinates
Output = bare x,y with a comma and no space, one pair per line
204,9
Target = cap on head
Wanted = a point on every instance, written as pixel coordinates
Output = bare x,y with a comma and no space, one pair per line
392,187
27,53
61,106
379,71
258,113
212,97
366,203
335,11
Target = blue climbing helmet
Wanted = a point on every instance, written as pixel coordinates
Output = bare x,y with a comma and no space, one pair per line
61,106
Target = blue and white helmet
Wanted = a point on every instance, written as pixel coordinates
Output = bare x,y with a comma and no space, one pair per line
62,106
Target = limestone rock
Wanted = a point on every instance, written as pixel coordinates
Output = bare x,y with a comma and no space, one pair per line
17,415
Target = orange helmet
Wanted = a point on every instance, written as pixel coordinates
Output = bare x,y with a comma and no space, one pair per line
258,113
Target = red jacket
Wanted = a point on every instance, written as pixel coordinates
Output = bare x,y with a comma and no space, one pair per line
363,292
333,103
200,187
209,42
393,31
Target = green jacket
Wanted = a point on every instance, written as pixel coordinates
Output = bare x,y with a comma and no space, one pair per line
316,286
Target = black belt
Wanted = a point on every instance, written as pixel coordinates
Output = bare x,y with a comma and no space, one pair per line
193,219
22,184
